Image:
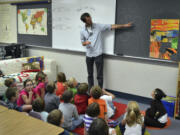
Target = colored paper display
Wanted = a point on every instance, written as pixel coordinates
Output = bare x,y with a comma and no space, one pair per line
164,38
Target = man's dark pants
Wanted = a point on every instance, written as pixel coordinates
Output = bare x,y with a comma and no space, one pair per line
99,66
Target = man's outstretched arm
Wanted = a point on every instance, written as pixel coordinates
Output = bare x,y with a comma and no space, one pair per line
119,26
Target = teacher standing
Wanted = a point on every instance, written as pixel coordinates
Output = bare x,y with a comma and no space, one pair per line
91,38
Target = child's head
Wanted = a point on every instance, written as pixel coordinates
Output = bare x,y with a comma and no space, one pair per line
82,88
93,110
70,84
38,105
133,113
55,117
11,94
98,127
40,77
61,77
74,81
28,85
67,96
96,92
50,88
158,94
10,82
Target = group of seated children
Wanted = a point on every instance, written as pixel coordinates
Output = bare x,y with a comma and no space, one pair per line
67,104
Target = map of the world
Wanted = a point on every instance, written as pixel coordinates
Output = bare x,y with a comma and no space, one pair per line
32,21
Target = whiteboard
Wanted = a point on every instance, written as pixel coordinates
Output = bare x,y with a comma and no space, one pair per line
67,25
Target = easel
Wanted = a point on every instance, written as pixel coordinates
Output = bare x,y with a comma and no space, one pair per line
177,104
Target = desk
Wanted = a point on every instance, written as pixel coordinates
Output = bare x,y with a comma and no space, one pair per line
17,123
3,109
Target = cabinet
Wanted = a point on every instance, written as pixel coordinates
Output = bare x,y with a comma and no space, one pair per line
8,51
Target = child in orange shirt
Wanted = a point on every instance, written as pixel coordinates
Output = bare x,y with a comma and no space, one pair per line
61,84
96,93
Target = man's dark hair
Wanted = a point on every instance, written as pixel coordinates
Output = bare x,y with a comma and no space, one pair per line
10,92
98,127
38,104
93,110
67,96
83,17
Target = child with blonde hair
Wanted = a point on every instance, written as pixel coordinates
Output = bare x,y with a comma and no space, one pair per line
40,79
132,124
72,85
61,84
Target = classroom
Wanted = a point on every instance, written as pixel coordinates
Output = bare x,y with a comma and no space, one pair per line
129,71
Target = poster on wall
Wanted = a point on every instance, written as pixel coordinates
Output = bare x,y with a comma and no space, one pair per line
164,38
32,21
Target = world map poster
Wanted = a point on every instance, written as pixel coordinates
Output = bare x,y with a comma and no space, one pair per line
164,38
32,21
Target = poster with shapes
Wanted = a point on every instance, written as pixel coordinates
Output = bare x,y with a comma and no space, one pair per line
164,38
32,21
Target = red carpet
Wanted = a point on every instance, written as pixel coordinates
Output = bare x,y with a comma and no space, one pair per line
120,110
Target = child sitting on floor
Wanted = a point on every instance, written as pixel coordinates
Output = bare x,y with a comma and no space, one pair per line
156,115
92,113
27,95
81,98
51,100
55,117
132,123
108,97
72,85
41,79
96,93
61,84
100,127
38,106
71,118
9,82
12,95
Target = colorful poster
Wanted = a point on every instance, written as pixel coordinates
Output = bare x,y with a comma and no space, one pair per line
32,21
164,38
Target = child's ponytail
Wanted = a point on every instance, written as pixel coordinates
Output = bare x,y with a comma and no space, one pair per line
131,118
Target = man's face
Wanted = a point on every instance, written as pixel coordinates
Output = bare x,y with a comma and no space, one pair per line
88,21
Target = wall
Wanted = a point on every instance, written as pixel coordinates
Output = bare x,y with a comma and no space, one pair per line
137,77
8,29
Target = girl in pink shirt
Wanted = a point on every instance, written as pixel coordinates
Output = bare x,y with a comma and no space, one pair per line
41,79
27,95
